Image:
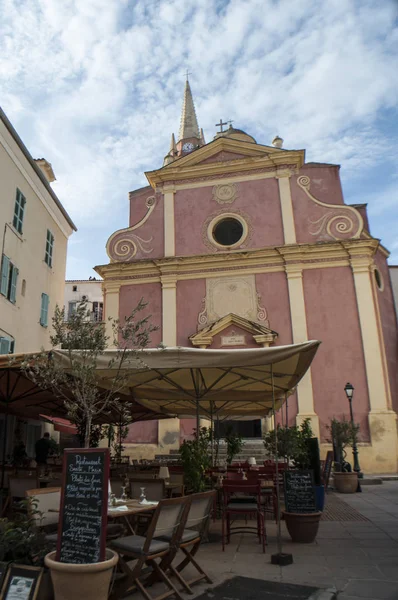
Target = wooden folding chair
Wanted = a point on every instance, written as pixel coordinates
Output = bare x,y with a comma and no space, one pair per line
168,520
192,536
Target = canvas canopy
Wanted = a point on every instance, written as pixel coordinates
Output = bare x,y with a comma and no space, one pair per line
19,396
184,381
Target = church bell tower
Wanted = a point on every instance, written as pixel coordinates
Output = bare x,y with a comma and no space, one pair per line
190,137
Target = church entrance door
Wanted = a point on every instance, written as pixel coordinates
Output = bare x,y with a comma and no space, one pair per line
247,429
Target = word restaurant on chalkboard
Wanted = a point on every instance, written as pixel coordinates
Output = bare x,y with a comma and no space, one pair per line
84,506
299,492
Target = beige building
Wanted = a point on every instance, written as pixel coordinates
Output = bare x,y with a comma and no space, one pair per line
34,232
88,291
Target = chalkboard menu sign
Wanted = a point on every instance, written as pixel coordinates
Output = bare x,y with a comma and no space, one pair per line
84,506
299,491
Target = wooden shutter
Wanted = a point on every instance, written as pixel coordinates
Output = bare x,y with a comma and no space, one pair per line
44,310
4,345
5,269
14,278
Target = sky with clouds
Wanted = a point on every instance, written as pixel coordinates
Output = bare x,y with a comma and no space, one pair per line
96,86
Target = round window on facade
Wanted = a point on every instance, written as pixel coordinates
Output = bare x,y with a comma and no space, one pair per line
379,279
228,232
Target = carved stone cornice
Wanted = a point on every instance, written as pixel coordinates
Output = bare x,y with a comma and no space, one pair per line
257,156
294,257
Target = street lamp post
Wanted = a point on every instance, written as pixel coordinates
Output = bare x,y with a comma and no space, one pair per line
349,391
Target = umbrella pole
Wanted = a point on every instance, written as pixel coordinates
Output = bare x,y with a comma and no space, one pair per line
197,417
212,433
280,558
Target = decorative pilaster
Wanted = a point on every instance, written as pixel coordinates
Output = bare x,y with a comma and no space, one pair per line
289,231
169,225
378,386
111,308
169,309
305,396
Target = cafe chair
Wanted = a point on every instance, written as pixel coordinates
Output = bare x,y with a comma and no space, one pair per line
177,478
195,531
169,521
17,488
242,500
44,506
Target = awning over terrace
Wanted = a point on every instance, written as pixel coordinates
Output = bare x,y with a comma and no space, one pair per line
19,396
185,381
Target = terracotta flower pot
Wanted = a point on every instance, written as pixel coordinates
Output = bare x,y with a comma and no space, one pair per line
302,527
346,483
90,581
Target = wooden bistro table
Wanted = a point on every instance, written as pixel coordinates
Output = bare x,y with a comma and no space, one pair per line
133,509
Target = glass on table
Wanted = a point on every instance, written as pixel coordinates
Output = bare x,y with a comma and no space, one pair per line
123,497
142,495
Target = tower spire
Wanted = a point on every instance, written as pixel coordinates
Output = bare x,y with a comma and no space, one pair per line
189,127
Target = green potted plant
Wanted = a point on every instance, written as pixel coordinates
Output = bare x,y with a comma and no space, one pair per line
298,447
343,434
196,460
234,443
24,543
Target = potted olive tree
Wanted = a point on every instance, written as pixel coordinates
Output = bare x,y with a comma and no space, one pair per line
298,446
343,434
86,404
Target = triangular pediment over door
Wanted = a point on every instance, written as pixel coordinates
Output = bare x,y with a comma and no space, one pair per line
233,331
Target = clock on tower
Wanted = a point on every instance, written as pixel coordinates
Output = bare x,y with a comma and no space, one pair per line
188,147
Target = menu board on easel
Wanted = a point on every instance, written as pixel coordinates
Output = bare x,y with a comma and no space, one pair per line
299,492
84,506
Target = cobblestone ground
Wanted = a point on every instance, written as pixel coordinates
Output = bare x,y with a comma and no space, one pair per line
357,554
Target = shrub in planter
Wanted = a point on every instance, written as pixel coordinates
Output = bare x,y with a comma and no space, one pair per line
346,482
343,434
23,543
196,460
302,527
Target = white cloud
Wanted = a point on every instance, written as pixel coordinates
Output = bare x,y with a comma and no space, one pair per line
96,86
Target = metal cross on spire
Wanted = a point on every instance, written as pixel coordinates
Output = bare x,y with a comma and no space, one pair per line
187,74
220,125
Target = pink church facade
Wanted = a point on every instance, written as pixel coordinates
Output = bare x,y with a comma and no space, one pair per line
235,244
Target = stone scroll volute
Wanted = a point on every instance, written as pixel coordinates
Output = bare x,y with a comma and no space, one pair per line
331,221
124,244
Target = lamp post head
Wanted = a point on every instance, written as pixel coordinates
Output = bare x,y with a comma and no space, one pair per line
349,391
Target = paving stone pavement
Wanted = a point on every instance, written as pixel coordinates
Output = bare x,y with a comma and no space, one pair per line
357,558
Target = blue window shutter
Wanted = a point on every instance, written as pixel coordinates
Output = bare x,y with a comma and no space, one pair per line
44,310
5,269
4,345
13,290
19,210
48,257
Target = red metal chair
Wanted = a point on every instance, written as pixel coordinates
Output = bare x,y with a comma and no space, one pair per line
242,500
